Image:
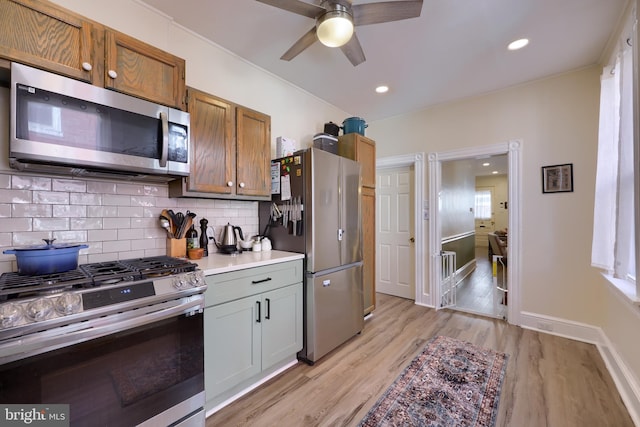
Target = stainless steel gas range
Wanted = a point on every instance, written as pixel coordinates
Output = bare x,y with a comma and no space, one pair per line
120,342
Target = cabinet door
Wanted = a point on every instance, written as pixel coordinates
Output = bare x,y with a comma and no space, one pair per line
281,324
141,70
369,248
253,162
362,149
232,344
212,144
26,34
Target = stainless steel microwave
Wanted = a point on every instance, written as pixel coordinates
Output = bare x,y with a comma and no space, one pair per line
61,125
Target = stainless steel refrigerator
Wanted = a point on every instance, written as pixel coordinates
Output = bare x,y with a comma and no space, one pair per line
315,210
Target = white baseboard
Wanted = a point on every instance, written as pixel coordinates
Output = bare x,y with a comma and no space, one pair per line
626,383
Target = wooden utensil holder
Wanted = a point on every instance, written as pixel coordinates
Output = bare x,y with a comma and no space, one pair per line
177,247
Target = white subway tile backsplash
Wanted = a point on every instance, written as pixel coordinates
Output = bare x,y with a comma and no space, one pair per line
101,235
101,187
117,220
130,233
15,196
29,210
51,197
15,224
143,201
5,239
116,200
29,238
5,181
88,199
85,224
116,246
130,211
115,223
21,182
71,185
70,236
50,224
70,211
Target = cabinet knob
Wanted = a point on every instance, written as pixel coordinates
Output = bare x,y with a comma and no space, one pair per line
242,185
86,66
230,184
112,74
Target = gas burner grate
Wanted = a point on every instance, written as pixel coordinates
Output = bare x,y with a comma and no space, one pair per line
159,266
108,273
14,285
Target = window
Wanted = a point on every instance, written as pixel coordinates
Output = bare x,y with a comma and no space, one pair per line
483,204
613,247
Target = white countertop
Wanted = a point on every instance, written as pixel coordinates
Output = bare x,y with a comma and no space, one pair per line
217,263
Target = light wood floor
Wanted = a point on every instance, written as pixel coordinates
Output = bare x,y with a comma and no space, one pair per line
550,381
476,292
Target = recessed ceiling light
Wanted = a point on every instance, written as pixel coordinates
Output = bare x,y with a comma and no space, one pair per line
495,172
382,89
486,164
518,44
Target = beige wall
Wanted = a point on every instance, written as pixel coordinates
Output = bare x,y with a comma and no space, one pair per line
557,120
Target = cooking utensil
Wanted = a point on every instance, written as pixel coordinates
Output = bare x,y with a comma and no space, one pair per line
47,259
354,124
166,224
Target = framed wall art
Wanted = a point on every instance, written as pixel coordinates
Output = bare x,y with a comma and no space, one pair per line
557,178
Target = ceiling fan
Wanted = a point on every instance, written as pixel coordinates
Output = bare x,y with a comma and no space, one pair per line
336,19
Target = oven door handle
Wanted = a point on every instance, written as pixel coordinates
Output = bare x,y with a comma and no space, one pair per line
23,347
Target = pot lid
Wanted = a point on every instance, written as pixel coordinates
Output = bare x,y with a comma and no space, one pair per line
49,245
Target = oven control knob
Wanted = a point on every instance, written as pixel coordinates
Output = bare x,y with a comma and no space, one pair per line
68,303
181,282
39,309
196,278
10,315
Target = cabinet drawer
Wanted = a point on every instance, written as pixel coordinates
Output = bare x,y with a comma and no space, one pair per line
250,281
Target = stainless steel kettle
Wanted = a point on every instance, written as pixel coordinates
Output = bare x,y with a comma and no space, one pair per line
228,242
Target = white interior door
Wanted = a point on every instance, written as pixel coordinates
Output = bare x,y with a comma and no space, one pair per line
395,234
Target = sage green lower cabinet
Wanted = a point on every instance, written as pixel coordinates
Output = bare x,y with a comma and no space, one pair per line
252,326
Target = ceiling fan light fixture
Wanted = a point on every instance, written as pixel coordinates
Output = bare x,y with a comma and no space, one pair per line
335,28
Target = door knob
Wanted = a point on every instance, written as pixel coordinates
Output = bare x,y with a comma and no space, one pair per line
412,240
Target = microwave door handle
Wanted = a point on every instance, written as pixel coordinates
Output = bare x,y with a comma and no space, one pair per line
165,139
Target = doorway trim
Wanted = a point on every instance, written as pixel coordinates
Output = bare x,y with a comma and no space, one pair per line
417,161
512,149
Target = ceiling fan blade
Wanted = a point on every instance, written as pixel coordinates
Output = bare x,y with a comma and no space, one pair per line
305,9
303,42
353,51
386,11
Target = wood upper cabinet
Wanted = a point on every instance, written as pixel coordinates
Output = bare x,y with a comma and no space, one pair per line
230,151
47,36
212,144
136,68
362,149
253,163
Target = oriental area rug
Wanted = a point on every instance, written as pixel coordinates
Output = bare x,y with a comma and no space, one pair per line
451,383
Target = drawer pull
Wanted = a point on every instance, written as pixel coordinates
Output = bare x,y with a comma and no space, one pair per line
255,282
